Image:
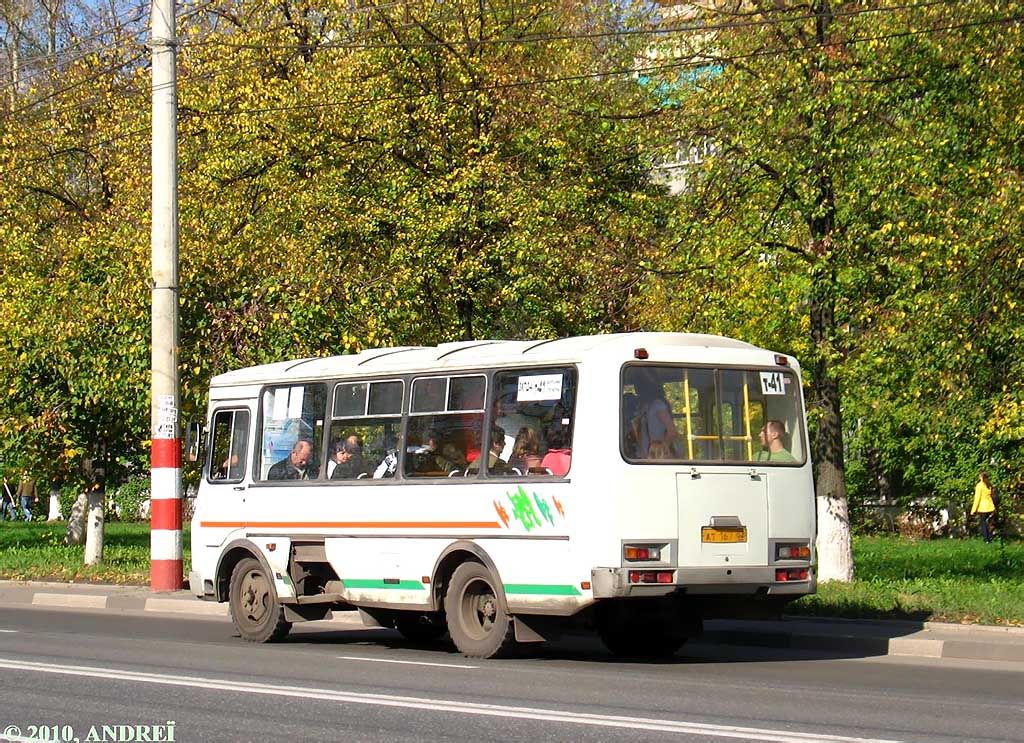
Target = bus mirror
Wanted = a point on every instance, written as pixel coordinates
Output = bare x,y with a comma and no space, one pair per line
193,441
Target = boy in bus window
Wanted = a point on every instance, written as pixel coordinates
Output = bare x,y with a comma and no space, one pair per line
773,446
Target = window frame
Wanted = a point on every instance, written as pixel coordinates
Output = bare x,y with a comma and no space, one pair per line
318,451
721,440
490,421
211,448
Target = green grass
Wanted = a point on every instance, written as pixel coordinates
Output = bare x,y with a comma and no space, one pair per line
942,580
945,580
36,551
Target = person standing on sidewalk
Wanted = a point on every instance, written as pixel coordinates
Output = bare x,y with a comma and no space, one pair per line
983,505
7,500
26,495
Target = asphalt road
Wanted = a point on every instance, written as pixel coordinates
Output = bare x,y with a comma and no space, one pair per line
80,671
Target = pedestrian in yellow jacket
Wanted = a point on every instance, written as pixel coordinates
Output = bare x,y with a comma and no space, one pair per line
983,504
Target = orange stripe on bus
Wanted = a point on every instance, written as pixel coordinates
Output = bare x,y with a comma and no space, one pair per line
352,524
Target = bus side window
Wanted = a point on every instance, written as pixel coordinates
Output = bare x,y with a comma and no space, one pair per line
534,409
289,415
445,425
228,447
365,420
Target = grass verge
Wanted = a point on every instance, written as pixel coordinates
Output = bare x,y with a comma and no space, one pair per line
36,551
943,580
946,580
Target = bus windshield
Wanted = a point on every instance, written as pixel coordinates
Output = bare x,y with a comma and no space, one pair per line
703,414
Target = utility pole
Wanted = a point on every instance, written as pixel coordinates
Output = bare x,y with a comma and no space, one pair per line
165,483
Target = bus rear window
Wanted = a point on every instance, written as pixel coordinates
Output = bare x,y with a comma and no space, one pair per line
699,414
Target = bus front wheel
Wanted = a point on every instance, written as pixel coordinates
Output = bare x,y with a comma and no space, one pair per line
255,610
477,623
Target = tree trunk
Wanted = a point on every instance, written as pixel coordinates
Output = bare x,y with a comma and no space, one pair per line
54,514
94,536
835,556
76,521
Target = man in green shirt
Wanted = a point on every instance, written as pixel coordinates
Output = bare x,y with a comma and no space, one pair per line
773,449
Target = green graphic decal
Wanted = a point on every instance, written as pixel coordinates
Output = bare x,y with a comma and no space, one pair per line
535,589
522,509
544,508
403,585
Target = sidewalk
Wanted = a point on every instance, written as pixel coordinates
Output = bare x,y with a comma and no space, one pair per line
848,637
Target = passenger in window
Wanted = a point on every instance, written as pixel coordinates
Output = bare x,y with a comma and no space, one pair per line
433,457
526,451
296,465
652,428
228,468
346,458
559,455
773,445
495,464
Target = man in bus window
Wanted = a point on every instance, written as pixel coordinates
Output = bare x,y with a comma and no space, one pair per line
296,465
773,447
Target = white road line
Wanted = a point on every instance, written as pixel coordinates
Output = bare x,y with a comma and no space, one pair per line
441,705
405,662
8,630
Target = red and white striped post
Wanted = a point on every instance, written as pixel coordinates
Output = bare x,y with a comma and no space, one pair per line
165,565
165,476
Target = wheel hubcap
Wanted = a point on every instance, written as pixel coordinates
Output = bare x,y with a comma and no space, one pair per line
480,609
255,597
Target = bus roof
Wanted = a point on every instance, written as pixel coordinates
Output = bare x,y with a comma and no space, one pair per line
481,353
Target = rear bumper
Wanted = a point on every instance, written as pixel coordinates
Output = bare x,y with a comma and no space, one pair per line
750,581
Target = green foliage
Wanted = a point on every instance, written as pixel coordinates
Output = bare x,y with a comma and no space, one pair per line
409,174
125,502
37,552
944,580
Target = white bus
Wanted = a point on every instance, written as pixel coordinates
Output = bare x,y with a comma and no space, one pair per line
500,491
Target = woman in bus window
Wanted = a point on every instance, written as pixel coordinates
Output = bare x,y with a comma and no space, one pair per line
526,450
559,455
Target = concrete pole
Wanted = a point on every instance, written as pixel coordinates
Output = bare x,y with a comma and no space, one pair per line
165,483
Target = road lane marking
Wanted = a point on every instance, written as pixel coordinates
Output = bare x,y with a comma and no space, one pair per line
8,630
405,662
440,705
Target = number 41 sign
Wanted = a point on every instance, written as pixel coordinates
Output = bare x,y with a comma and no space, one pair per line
773,383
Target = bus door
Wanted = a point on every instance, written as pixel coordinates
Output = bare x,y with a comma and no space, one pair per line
723,516
220,508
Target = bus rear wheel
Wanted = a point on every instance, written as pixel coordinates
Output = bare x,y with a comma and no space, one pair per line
477,623
255,610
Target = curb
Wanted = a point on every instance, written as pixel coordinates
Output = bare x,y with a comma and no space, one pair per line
848,637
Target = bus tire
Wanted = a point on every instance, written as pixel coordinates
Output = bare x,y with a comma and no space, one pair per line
477,623
255,610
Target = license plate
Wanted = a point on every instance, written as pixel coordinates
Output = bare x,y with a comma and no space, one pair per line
720,536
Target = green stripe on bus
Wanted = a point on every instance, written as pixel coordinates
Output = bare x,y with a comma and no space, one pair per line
536,589
403,585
